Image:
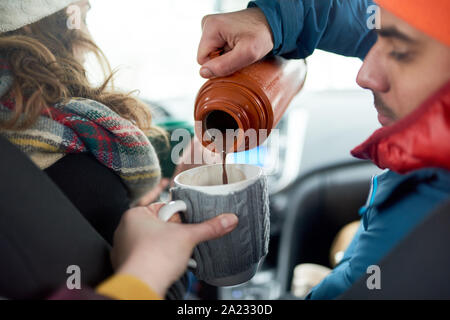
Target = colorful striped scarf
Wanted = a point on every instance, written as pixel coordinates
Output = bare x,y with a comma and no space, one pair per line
83,125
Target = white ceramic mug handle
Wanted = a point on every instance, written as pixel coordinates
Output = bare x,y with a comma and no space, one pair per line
166,212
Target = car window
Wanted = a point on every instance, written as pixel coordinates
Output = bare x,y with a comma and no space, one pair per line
153,44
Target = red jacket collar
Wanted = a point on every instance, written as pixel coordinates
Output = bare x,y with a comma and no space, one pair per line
420,140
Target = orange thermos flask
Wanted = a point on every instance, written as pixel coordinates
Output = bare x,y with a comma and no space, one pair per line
255,97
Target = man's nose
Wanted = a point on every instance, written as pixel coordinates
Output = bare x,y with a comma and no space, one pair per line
372,74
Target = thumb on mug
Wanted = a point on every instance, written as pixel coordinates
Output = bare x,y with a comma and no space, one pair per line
213,228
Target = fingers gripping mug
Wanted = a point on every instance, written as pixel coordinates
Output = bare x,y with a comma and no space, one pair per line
200,195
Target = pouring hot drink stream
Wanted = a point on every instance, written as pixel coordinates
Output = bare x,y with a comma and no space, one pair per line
224,168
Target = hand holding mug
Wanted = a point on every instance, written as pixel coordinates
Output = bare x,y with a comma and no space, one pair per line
157,252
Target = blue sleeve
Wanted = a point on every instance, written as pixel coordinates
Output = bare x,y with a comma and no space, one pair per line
301,26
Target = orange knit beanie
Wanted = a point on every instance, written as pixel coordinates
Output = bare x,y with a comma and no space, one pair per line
429,16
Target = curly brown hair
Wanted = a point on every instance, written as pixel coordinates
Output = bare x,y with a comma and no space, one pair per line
46,72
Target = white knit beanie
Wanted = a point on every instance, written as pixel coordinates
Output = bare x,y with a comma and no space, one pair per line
15,14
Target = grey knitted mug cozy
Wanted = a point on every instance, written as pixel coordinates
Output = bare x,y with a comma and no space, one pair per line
243,247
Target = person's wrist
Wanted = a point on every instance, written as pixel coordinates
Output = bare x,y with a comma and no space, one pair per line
156,280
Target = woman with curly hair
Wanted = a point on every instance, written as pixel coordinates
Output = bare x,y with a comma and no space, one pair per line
93,142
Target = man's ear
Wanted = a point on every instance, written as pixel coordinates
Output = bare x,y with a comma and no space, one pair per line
27,29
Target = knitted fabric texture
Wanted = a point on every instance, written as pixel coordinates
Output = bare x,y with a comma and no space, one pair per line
83,125
430,17
15,14
244,246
